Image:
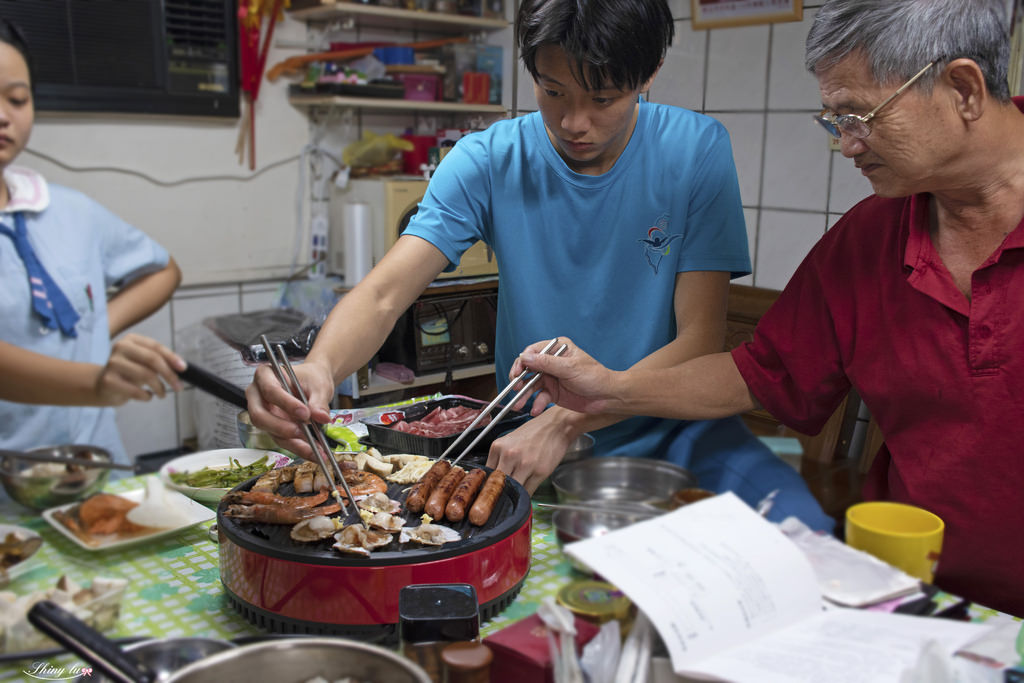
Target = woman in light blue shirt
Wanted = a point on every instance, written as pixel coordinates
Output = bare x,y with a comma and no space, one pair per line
61,254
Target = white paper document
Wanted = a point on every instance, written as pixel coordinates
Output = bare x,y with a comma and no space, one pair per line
733,598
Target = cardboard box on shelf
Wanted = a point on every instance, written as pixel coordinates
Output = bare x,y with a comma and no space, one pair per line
476,87
488,61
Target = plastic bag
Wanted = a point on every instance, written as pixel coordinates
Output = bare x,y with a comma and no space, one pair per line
564,660
293,329
374,150
600,658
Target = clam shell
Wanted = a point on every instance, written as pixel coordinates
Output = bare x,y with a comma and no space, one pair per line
313,529
358,541
429,534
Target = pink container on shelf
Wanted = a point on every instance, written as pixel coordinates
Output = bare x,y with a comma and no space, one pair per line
421,86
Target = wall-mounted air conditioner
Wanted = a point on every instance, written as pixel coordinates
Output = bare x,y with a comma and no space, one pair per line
150,56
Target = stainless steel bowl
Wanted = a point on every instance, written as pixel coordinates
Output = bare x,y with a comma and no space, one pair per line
41,485
635,480
577,525
300,659
280,661
581,448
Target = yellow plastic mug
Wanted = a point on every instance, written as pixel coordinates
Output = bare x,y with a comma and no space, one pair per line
905,536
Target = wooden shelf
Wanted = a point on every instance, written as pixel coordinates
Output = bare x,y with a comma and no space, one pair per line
379,385
394,104
392,17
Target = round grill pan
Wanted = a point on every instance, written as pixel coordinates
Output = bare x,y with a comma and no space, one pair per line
291,587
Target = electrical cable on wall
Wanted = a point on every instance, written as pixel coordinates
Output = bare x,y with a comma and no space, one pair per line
321,162
157,181
321,165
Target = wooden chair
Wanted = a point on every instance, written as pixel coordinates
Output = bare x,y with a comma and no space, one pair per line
832,472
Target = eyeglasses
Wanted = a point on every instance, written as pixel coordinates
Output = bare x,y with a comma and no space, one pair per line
855,125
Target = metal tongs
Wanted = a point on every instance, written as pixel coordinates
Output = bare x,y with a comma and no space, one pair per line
314,437
490,406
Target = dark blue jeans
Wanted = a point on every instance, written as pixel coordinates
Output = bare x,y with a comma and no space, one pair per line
725,455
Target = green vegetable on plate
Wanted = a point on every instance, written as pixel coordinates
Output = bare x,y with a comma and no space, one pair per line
222,477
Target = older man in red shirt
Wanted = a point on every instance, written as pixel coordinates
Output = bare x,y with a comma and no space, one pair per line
914,298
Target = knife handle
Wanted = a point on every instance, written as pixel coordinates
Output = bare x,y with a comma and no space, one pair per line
214,385
88,643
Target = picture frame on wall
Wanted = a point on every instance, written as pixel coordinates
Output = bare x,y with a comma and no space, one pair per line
726,13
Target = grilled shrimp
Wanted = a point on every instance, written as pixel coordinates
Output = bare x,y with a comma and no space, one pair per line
364,483
278,514
267,498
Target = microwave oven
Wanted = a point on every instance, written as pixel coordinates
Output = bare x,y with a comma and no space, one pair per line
392,202
444,331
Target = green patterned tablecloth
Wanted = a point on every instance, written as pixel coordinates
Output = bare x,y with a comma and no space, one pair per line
175,590
174,583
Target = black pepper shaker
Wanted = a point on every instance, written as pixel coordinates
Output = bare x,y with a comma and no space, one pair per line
432,616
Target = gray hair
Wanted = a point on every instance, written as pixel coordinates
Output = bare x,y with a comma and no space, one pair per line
899,37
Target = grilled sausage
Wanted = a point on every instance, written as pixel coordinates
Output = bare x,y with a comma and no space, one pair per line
443,491
464,494
421,490
484,505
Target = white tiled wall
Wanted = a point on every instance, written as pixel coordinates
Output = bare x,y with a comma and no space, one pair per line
750,78
736,77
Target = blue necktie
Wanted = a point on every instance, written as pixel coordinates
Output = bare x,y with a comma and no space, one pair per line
48,300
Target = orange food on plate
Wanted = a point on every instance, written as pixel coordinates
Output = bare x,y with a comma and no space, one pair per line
102,514
105,513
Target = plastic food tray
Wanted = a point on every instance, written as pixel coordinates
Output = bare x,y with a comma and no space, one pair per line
383,435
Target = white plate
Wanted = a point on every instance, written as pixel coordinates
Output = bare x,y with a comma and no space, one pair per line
17,570
193,511
218,458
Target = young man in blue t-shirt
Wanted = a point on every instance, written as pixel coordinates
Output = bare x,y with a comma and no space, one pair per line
613,219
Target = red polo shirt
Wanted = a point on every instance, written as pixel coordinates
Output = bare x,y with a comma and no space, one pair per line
874,307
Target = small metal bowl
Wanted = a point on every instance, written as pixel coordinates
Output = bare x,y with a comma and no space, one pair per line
577,525
42,485
581,448
634,480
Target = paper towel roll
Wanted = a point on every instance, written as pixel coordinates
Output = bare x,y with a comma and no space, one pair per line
358,226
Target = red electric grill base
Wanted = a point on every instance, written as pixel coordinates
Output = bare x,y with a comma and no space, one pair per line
380,634
290,587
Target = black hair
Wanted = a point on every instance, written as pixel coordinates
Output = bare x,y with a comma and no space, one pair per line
12,35
617,43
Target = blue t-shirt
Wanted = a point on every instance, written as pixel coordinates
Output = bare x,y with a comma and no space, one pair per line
592,257
86,249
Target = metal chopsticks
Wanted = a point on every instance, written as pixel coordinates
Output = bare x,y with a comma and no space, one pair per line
315,438
490,406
